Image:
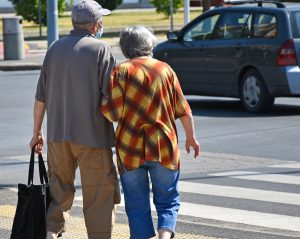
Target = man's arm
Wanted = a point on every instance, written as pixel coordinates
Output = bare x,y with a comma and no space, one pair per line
191,141
38,138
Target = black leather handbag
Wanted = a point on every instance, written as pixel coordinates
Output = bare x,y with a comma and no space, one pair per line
33,201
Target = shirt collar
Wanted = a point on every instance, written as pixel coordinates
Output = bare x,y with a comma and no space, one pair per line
80,32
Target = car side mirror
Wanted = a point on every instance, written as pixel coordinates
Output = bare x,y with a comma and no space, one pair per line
172,36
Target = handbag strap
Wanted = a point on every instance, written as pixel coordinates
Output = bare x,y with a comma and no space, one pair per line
31,167
42,169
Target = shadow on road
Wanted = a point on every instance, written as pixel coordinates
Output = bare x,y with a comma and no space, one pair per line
216,107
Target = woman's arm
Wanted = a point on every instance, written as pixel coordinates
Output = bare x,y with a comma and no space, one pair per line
191,141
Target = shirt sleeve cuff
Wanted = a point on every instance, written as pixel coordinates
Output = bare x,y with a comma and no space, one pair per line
39,98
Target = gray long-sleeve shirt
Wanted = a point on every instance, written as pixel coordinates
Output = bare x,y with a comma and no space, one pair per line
75,73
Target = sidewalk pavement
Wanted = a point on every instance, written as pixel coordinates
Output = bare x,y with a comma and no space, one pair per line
34,55
35,51
75,228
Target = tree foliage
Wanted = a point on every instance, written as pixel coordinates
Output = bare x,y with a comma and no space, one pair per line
109,4
163,6
29,9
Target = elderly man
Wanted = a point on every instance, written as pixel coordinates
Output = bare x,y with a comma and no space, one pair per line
74,73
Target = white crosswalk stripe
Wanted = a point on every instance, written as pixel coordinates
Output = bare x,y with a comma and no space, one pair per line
293,166
238,192
275,178
268,220
237,216
234,215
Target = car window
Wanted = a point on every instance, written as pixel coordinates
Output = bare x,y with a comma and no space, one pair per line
265,26
296,24
202,30
234,25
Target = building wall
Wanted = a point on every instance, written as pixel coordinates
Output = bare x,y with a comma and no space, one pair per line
136,4
6,6
5,3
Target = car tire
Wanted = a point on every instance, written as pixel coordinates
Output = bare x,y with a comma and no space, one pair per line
254,94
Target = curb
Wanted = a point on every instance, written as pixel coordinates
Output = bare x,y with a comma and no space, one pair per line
20,67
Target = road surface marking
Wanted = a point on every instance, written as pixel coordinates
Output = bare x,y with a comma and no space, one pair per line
268,220
253,218
259,176
293,166
238,192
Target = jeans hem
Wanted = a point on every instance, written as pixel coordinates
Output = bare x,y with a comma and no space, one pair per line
146,237
168,228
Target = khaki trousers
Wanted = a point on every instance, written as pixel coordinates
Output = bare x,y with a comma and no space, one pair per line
99,182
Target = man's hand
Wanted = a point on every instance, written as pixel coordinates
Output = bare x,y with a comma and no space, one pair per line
192,142
37,141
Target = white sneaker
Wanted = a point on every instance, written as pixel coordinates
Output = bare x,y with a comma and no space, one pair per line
51,235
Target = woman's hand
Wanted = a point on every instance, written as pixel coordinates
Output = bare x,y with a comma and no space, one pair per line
192,142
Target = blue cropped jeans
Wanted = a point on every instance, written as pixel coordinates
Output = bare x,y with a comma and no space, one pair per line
136,190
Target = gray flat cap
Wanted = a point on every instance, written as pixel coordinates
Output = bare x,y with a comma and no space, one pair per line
87,11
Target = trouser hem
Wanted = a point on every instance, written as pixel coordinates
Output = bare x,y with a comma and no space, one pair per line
102,235
54,229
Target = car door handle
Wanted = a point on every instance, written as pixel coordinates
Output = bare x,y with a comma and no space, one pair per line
238,46
201,48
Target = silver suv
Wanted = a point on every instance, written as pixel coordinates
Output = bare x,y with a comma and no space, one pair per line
248,50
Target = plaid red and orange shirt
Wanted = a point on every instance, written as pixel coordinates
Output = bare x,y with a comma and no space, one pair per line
145,98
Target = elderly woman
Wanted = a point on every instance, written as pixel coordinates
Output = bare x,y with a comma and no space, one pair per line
145,98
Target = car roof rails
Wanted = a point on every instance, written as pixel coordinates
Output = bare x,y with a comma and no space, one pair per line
258,2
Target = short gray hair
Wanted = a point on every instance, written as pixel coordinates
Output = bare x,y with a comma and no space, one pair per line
136,41
83,26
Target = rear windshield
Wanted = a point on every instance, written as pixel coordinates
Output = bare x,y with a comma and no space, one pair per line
296,24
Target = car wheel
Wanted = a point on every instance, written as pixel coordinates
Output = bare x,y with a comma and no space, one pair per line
254,94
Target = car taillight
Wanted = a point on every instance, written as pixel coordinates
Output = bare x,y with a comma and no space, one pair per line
287,55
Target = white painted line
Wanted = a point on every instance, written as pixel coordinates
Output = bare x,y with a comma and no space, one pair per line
259,176
253,218
292,166
20,157
25,158
12,189
233,173
238,192
268,220
241,216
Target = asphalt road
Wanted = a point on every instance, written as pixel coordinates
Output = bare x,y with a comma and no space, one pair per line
245,185
222,125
